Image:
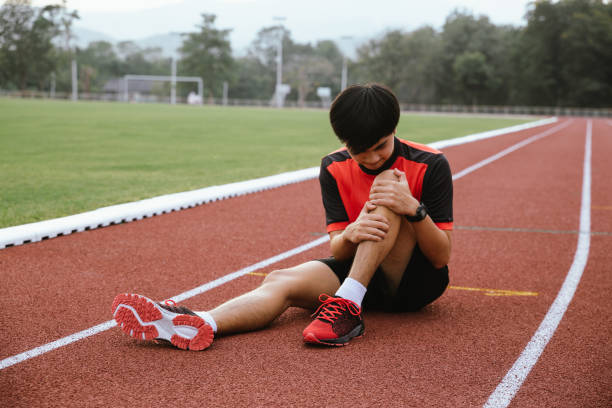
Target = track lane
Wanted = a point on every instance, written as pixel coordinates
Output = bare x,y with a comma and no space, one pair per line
167,254
55,281
248,371
576,366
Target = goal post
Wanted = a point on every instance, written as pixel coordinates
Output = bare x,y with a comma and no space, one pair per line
172,79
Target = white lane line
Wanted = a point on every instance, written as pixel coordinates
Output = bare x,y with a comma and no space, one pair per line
509,150
511,383
9,361
18,358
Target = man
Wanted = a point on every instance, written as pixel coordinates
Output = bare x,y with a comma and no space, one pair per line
388,206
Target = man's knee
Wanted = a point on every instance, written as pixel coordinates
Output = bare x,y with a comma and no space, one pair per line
386,175
278,277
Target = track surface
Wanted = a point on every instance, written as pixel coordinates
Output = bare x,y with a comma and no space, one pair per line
516,220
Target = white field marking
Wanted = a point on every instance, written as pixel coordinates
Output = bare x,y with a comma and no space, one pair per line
18,358
491,133
9,361
137,210
511,383
510,149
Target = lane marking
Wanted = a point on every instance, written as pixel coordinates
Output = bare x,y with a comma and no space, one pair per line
512,382
510,149
536,230
495,292
602,207
64,341
18,358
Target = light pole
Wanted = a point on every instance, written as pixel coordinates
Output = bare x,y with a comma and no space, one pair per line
344,66
279,63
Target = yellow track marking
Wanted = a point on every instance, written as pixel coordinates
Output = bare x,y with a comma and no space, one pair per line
495,292
257,274
487,292
601,207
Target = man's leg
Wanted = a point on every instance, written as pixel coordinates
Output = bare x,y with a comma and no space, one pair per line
339,318
144,319
299,286
392,253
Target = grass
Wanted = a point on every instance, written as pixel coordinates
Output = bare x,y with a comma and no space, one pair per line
59,158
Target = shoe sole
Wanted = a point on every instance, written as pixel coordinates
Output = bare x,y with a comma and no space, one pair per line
141,318
356,333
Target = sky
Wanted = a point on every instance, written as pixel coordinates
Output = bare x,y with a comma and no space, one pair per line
308,20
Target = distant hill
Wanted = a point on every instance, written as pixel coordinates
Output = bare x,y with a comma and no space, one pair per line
169,43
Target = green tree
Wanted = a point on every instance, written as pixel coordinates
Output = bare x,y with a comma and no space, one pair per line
472,75
208,54
305,67
403,61
564,53
252,79
472,41
26,47
98,63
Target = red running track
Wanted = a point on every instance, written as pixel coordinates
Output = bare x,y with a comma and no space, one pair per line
517,222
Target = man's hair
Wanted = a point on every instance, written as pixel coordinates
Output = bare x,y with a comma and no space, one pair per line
361,115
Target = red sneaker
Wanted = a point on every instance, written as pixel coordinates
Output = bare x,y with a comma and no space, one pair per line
337,321
141,318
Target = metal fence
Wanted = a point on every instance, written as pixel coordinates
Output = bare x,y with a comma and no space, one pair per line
406,107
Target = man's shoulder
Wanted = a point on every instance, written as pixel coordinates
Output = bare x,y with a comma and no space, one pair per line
336,156
419,147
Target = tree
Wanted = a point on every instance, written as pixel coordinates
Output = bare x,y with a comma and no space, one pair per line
472,75
565,53
472,41
26,48
403,61
208,54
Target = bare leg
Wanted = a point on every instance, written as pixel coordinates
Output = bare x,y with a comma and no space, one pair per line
298,286
392,253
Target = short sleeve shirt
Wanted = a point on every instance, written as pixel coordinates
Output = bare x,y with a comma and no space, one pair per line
345,185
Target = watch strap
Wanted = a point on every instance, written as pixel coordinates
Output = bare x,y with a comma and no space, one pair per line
420,214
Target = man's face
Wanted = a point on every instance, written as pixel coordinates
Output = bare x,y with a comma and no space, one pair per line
376,155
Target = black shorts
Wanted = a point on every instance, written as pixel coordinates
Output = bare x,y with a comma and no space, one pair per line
421,284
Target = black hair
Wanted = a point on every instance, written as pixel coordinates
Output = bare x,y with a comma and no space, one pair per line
361,115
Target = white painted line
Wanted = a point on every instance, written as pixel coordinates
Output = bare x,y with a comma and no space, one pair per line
511,383
509,150
134,211
9,361
491,133
18,358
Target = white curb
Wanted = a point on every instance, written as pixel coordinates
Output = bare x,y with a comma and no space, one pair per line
137,210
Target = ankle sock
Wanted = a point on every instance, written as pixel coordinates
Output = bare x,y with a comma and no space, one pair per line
208,319
352,290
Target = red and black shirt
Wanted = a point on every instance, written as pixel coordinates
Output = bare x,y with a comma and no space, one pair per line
345,185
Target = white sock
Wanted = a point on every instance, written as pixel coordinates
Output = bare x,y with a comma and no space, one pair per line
352,290
208,319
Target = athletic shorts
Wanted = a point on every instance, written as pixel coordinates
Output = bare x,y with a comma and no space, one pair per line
420,285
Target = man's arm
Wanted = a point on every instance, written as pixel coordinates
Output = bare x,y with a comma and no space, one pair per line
396,195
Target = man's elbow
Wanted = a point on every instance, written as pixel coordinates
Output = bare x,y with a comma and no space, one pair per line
441,262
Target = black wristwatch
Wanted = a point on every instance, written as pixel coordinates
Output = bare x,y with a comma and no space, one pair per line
419,215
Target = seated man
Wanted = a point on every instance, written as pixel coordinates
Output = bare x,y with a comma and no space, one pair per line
388,206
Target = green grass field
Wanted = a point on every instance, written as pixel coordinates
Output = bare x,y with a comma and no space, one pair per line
59,158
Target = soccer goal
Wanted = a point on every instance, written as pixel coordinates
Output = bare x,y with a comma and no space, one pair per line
158,78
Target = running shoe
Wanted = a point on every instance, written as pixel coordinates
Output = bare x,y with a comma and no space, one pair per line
143,319
336,321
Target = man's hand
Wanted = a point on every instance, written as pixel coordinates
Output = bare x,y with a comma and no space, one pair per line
394,194
368,226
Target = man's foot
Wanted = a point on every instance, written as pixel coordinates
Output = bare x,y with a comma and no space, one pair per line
144,319
337,321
